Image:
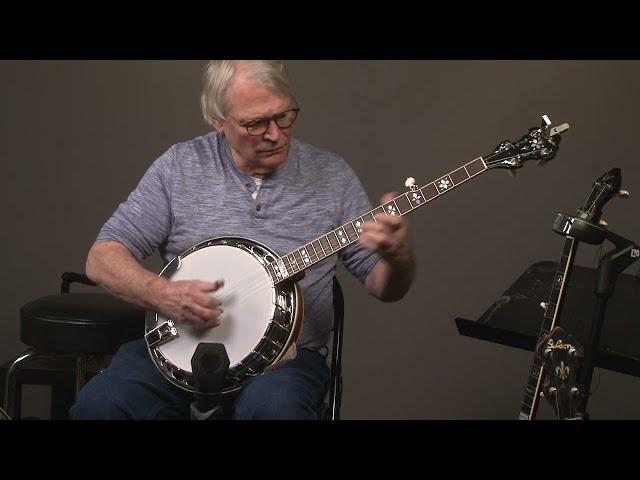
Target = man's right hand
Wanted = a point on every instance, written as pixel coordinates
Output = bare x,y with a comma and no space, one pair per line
112,266
188,301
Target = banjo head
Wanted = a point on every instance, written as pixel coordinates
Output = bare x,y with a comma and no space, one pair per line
258,319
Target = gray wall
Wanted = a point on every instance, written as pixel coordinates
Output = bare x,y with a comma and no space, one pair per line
76,137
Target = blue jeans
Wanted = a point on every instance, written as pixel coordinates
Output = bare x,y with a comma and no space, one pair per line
133,388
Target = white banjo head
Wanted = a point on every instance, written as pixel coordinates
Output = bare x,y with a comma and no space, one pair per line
247,304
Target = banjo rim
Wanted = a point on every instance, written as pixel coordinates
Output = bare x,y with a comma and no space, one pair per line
290,319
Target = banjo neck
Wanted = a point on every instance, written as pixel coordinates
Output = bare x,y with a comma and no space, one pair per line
552,310
538,144
332,242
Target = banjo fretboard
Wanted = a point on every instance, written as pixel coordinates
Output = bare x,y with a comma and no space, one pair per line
553,307
308,255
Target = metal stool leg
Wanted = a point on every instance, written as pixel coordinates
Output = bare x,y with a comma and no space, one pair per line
81,371
9,384
10,381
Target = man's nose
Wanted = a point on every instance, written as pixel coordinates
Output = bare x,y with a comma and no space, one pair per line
273,132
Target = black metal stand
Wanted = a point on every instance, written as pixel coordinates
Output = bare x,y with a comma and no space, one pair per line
210,364
611,266
515,318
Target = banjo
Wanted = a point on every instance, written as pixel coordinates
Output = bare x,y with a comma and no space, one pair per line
263,305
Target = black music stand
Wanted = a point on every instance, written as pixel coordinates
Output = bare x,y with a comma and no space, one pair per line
516,317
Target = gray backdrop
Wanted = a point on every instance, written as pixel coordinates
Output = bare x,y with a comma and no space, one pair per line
77,136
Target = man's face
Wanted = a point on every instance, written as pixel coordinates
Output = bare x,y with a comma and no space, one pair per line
251,101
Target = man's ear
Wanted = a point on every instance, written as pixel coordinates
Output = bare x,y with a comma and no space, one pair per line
217,125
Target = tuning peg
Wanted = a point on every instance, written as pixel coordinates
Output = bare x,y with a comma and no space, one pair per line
411,183
543,306
545,125
602,223
624,193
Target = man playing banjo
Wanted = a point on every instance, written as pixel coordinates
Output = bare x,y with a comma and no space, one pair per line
248,178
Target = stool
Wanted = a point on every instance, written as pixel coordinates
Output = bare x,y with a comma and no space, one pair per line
77,327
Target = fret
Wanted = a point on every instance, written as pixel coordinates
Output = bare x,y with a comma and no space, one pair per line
311,251
288,266
458,176
299,260
349,229
556,287
377,211
555,294
318,248
342,237
429,191
475,167
324,241
403,204
333,240
294,263
272,272
368,217
295,268
416,198
444,184
530,390
282,269
391,208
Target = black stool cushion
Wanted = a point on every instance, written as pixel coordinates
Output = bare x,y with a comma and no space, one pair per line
80,323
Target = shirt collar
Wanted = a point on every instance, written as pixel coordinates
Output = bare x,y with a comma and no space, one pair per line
282,173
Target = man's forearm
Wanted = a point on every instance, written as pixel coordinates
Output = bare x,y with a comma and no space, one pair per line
111,265
390,282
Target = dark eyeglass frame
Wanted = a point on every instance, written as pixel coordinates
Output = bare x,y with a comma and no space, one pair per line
260,126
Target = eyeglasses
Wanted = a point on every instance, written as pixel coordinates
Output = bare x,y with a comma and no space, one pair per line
258,127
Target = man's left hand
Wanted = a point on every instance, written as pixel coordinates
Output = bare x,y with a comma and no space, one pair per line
388,235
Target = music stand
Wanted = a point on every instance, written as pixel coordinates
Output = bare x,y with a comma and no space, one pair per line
516,317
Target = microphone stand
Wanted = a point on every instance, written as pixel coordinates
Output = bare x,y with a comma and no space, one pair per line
209,364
